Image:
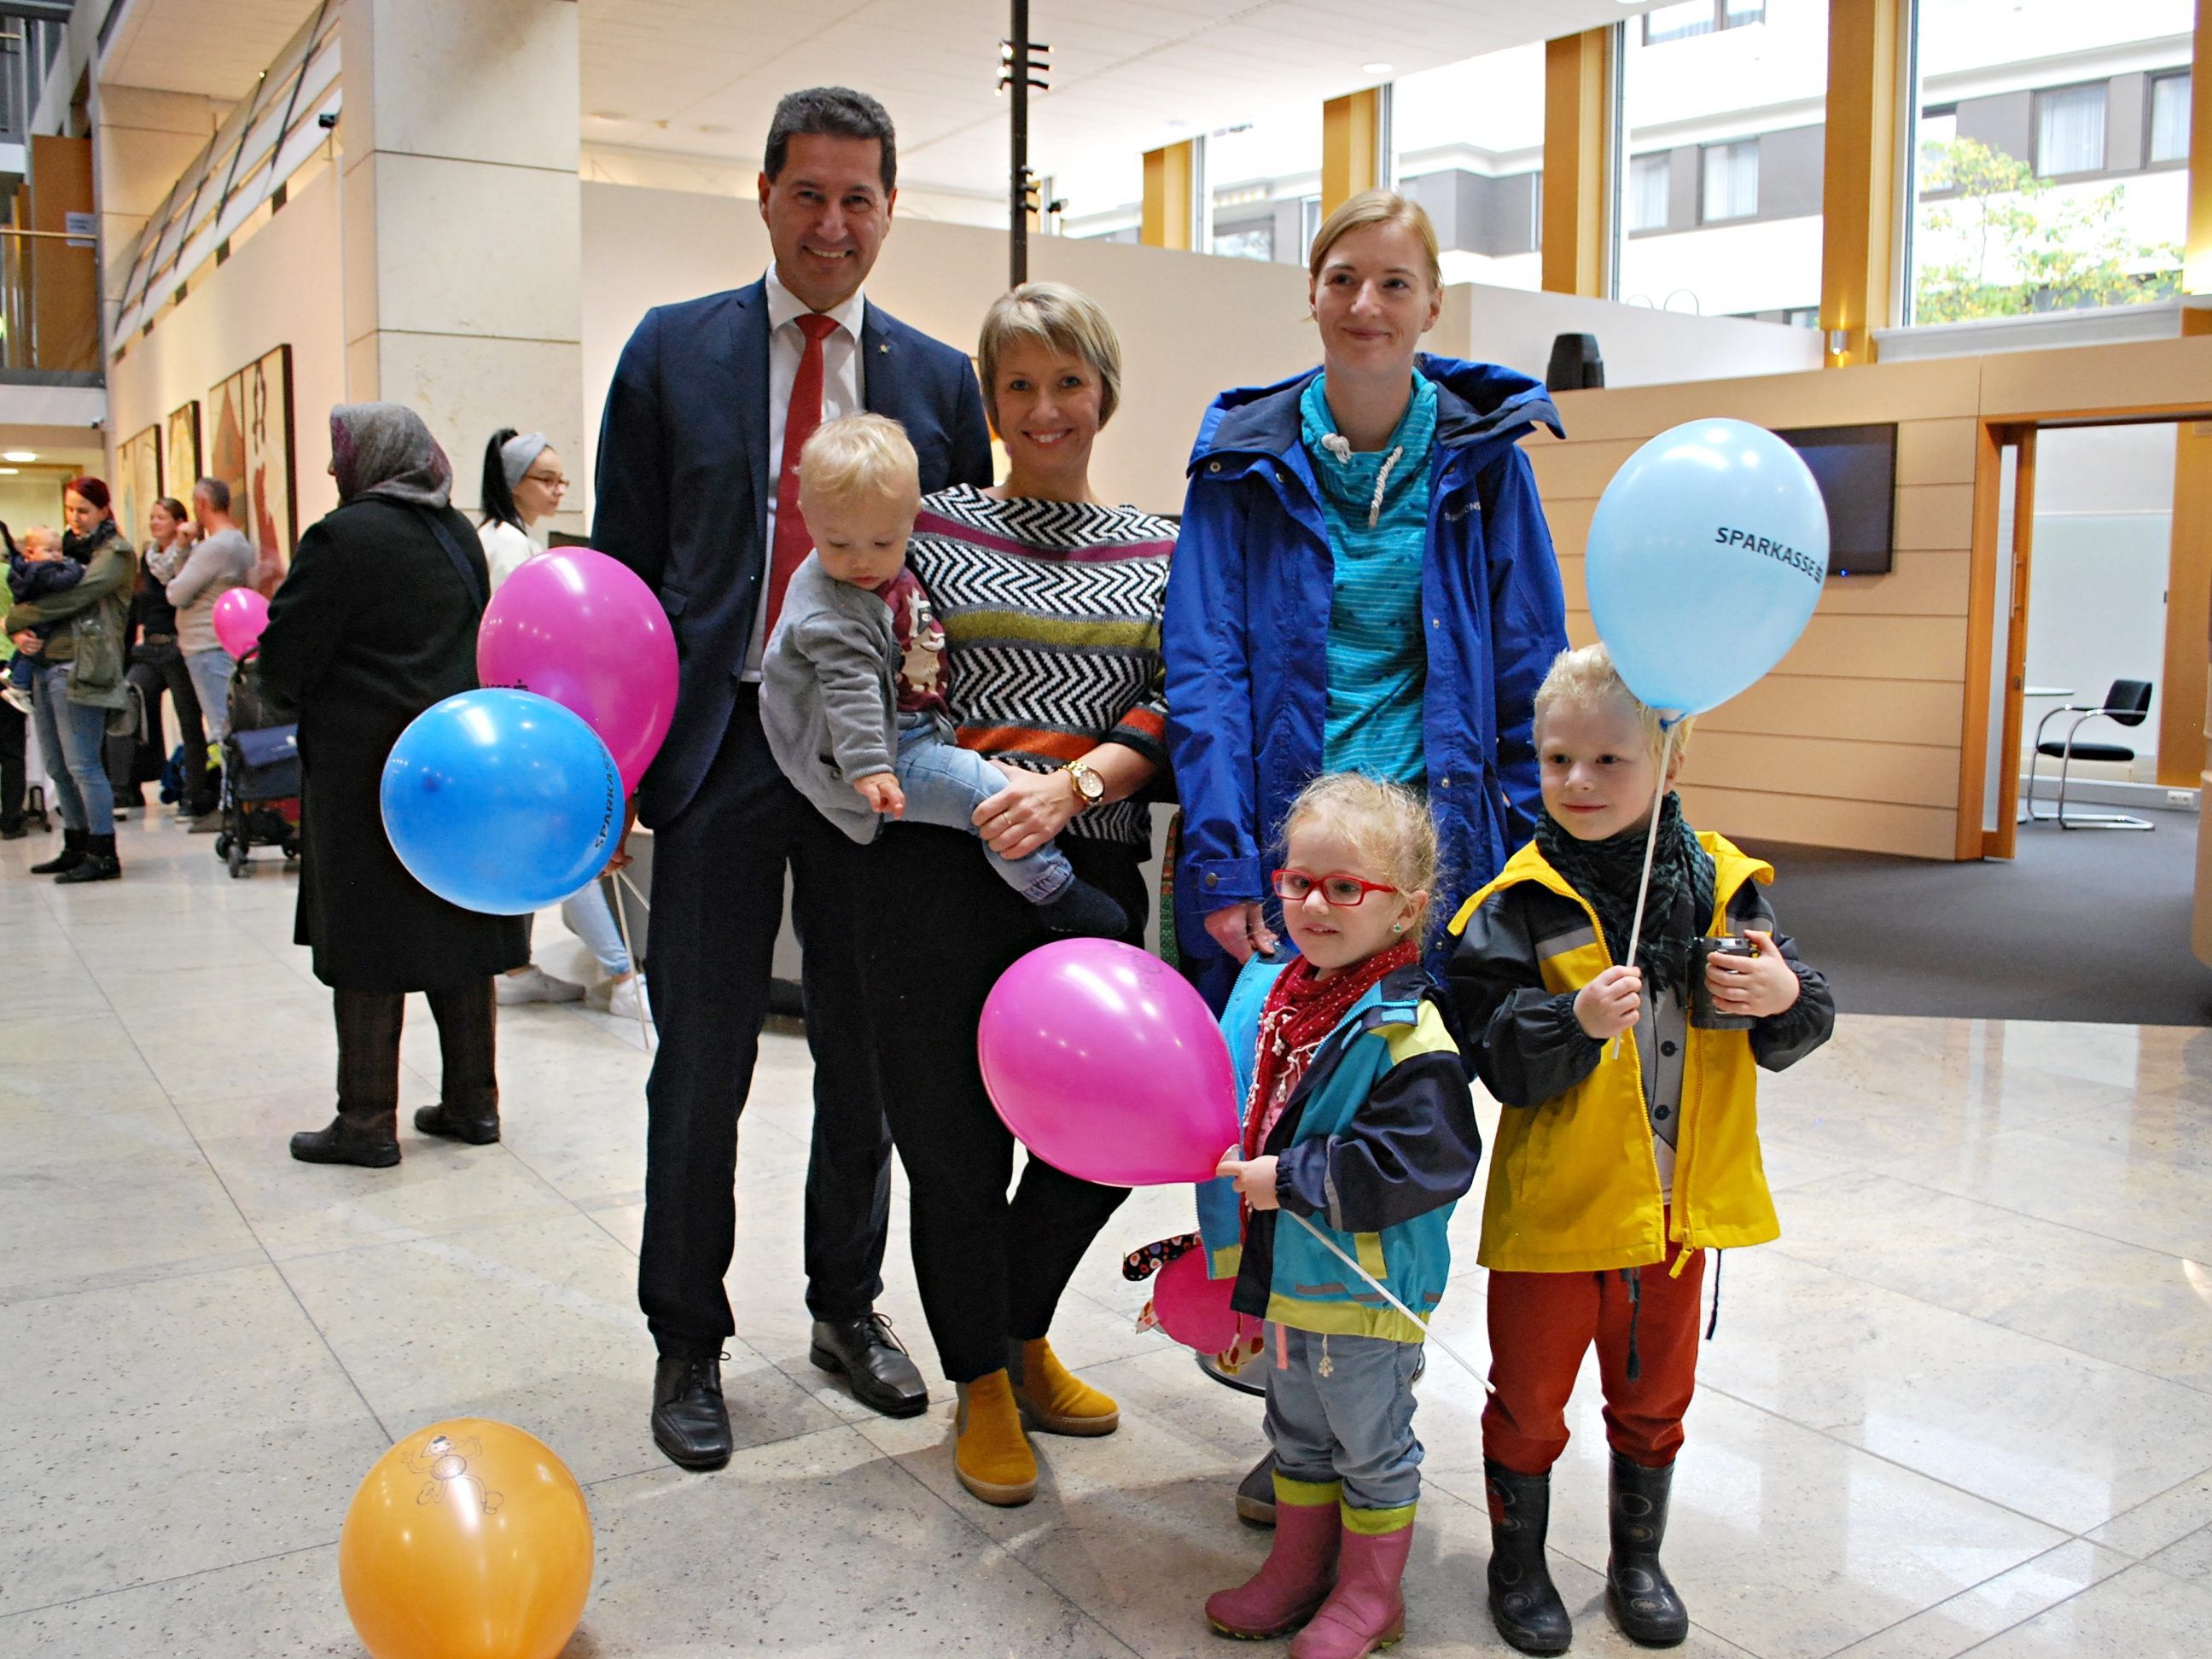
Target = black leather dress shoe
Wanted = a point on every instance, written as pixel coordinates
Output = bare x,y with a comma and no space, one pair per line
442,1120
690,1423
866,1354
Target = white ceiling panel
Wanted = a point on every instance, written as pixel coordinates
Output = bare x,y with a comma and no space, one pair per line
1127,75
215,47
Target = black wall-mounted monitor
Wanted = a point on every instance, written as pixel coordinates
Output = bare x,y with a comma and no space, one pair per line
1856,467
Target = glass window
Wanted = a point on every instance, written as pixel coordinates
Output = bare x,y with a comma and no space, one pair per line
2169,118
2028,191
1649,180
1734,13
1245,242
2070,131
1939,131
1731,183
1678,23
1741,111
1469,143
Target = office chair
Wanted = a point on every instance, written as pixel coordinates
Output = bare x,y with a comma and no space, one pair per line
2125,704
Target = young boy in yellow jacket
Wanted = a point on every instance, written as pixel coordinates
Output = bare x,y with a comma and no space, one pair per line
1629,1144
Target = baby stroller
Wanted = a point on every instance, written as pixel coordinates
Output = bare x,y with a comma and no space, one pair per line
260,774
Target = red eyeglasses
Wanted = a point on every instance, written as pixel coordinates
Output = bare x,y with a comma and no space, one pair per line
1340,891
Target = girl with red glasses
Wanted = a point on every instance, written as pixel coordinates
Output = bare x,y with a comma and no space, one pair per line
1356,1120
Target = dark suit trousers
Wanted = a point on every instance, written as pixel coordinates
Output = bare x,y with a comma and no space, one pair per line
991,1269
717,873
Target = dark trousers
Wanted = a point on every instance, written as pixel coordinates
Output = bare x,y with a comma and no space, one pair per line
369,1049
13,723
717,873
1540,1326
157,666
990,1269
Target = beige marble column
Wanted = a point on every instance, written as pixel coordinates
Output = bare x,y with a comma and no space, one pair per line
462,222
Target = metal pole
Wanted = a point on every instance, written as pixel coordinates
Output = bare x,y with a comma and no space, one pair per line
1017,224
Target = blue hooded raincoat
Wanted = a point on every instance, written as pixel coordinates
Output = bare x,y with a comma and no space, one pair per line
1247,627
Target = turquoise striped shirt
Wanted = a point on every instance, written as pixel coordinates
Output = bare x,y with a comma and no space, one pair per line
1377,663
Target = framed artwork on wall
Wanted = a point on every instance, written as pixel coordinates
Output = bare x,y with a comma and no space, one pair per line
250,448
139,461
183,455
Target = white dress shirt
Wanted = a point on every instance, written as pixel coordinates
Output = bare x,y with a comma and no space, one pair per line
842,391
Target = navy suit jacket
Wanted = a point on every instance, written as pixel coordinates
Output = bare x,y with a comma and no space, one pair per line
684,481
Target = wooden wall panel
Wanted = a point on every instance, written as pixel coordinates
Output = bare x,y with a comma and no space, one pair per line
1867,768
1923,832
1921,713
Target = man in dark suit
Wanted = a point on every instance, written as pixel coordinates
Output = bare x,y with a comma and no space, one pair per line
697,492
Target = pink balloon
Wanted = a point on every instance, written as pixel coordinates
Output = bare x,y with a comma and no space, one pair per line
1105,1063
1194,1310
239,616
580,628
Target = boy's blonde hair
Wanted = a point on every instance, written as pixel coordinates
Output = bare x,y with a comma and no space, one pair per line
858,457
1376,207
1389,823
1060,318
1586,679
39,535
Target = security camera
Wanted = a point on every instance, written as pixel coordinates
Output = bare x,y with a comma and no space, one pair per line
327,119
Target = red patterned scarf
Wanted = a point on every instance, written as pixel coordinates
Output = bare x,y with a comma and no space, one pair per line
1300,1012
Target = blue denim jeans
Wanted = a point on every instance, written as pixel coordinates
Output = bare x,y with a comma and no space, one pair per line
73,737
211,671
586,914
1341,1408
944,784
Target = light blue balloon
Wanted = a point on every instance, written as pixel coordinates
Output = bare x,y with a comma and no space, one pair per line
1706,555
502,801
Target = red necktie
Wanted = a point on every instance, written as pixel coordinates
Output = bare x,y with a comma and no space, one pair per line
793,543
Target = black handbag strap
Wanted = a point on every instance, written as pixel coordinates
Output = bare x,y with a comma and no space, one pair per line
460,560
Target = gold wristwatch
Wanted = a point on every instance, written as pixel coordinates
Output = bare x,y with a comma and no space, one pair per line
1090,788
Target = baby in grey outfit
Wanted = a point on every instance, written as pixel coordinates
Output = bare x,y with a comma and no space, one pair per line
853,686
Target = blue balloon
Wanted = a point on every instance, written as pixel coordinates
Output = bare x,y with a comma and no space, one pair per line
502,801
1706,555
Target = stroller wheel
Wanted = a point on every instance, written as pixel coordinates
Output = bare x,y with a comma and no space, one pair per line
222,844
237,861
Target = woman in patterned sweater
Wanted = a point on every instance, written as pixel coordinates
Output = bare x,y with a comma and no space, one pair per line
1050,604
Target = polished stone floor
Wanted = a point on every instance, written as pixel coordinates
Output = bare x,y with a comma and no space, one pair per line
1964,1404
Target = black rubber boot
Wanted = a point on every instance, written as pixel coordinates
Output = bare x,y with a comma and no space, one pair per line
1637,1587
1082,911
98,864
1524,1603
368,1137
69,858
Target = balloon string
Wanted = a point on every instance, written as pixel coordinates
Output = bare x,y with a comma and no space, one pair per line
1328,1245
621,921
1650,846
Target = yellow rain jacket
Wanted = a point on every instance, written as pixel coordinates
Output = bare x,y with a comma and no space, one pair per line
1574,1184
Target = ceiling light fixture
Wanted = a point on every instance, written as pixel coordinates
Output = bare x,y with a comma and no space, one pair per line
19,455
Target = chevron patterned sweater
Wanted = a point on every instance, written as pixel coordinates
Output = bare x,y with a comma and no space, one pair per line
1052,624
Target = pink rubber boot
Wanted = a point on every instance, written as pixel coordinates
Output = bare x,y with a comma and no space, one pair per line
1366,1610
1299,1571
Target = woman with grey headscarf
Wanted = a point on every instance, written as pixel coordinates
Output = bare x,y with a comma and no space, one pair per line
376,621
523,483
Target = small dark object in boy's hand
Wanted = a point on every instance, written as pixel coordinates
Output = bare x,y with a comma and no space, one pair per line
1759,987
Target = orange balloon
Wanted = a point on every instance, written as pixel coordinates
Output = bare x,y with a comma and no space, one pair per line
468,1540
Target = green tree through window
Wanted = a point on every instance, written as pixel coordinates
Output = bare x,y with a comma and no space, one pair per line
2001,242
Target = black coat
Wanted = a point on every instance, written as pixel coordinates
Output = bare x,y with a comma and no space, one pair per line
373,626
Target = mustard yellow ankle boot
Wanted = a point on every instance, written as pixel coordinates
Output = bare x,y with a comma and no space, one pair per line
1052,1399
992,1456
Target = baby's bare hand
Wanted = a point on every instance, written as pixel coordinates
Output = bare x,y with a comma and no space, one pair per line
882,792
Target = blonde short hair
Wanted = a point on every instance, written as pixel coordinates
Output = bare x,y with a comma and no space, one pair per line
38,535
858,456
1376,207
1060,318
1586,679
1388,823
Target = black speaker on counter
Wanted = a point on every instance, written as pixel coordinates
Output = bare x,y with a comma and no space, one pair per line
1576,365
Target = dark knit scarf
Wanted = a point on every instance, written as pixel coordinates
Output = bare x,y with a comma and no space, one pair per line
1300,1012
1606,873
